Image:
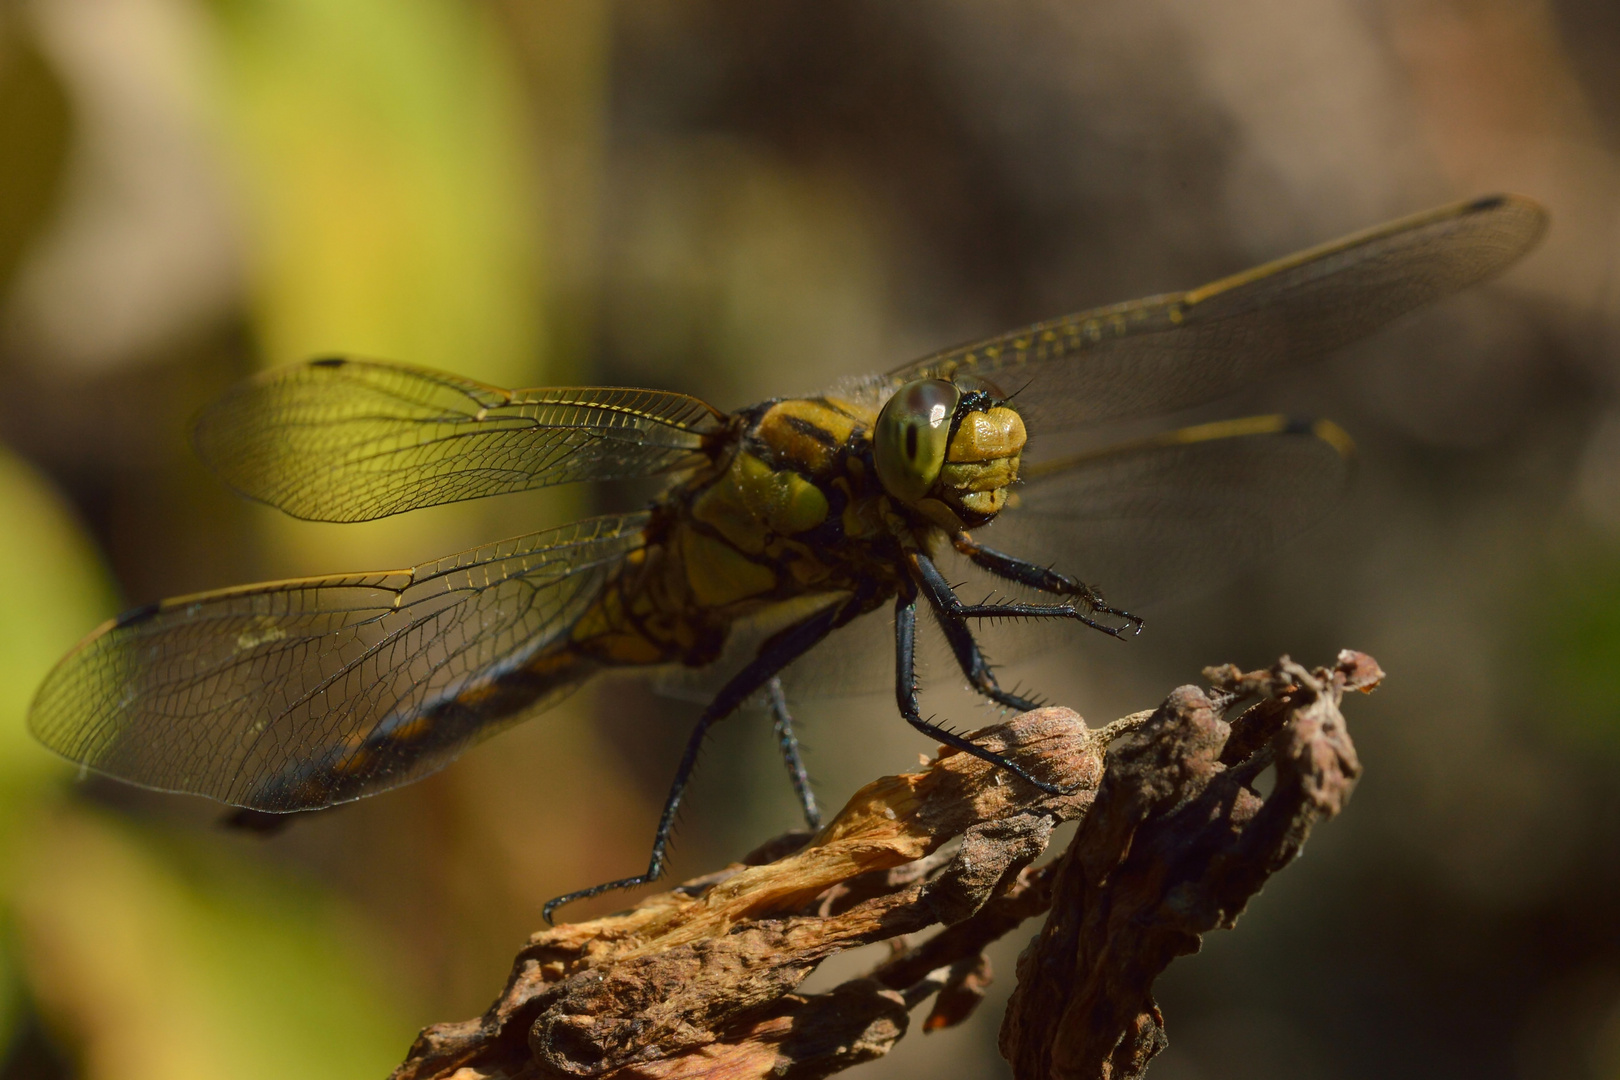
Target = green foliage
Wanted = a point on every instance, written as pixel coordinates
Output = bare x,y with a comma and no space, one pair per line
56,590
235,971
34,124
1574,644
391,210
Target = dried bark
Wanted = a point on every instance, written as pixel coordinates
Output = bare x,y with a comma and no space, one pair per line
699,981
1176,843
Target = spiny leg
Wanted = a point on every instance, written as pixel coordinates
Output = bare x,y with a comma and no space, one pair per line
776,654
783,722
1079,609
1046,580
966,650
905,693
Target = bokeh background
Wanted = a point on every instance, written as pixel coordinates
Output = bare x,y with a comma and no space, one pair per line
744,200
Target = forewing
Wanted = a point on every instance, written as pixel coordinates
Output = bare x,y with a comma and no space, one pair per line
352,440
1169,352
298,694
1181,511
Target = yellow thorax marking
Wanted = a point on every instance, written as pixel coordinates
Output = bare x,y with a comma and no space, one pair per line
607,633
601,618
781,498
754,500
721,506
861,518
720,574
805,432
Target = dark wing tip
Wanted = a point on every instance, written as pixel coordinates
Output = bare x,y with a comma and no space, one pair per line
329,361
137,615
1526,207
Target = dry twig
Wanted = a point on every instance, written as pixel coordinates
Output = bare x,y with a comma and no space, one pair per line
699,981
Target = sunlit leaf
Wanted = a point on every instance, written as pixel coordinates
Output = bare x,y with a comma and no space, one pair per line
176,964
55,591
391,209
1573,639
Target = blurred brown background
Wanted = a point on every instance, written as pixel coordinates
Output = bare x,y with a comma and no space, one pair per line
745,200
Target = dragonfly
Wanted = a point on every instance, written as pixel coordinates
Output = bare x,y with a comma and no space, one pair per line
780,524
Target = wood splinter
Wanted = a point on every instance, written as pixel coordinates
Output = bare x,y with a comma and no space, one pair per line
699,981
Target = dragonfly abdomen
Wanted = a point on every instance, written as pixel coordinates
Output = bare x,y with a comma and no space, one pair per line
414,744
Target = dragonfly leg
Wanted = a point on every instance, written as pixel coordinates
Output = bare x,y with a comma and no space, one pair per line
905,693
776,654
1043,578
1080,608
969,657
782,720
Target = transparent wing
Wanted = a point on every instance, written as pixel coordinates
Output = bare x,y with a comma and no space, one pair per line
854,659
298,694
1180,511
744,638
352,440
1172,351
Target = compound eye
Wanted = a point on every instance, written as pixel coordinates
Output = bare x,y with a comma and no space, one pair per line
912,433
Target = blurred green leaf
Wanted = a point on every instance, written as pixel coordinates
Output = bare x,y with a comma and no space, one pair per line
34,132
1573,643
10,992
392,210
168,962
382,157
55,592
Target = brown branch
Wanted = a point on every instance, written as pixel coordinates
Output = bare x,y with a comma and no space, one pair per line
699,981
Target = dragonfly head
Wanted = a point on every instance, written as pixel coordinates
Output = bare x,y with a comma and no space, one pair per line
955,442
